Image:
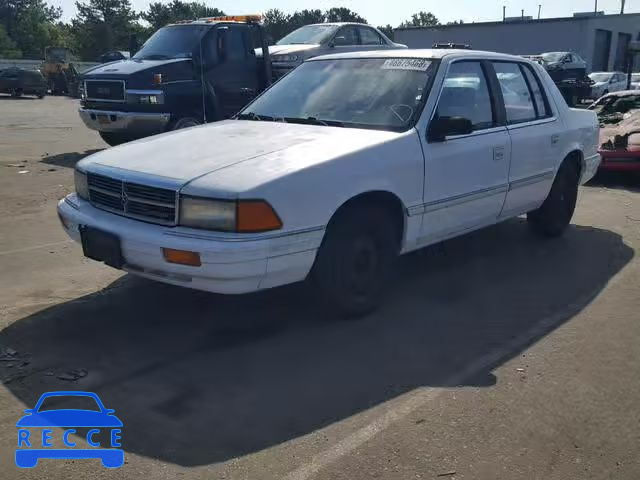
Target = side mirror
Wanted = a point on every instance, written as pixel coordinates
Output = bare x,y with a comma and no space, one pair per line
443,127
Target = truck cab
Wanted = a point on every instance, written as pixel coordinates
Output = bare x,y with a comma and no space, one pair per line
186,74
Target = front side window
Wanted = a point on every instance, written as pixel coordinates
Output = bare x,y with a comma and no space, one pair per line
465,94
233,44
346,36
369,37
379,93
518,101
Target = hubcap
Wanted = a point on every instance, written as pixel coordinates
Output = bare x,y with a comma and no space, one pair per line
363,264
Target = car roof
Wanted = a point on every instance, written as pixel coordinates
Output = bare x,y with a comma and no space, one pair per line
426,53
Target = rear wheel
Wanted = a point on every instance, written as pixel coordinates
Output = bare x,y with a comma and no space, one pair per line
115,138
16,93
554,215
355,259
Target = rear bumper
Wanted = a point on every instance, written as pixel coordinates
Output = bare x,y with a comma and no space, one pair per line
131,122
591,165
620,160
230,263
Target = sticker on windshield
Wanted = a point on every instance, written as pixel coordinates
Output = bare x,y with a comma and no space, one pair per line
417,64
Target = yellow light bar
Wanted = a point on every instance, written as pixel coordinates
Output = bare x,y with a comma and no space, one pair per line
234,18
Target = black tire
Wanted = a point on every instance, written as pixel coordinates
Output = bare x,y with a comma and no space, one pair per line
355,259
41,95
115,138
554,215
184,122
16,93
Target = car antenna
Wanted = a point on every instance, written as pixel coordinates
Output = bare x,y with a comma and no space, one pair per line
202,87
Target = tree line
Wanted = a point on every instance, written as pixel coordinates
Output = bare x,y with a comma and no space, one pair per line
28,26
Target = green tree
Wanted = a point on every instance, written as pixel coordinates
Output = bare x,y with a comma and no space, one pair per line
343,14
103,25
8,48
161,14
387,30
305,17
28,24
277,24
421,19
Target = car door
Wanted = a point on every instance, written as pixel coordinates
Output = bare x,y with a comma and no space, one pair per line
235,76
466,175
535,133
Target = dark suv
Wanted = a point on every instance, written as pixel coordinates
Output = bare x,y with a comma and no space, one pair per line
186,74
19,81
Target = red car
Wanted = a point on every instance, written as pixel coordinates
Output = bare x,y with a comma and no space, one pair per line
619,115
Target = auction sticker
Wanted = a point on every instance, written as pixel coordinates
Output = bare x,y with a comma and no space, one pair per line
417,64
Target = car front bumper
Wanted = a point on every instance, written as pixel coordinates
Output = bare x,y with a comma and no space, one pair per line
131,122
231,263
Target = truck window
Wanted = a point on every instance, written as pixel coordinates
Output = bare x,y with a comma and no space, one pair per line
517,97
234,45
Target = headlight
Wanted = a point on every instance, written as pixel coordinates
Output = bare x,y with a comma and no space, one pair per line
228,215
286,58
82,186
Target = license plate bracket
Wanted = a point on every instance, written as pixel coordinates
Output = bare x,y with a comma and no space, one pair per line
101,246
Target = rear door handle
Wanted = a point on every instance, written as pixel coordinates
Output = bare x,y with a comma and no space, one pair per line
555,139
498,153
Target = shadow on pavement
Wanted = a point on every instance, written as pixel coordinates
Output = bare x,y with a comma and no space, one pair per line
198,378
618,180
68,160
9,97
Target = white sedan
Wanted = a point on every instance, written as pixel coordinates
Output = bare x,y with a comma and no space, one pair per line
344,164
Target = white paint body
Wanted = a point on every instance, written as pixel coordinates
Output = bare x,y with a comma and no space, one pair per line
306,172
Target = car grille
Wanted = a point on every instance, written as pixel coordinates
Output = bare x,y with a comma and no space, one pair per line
105,90
142,202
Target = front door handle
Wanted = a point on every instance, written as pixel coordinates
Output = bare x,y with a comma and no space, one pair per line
555,139
498,153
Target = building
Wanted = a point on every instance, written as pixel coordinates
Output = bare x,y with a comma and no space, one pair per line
601,40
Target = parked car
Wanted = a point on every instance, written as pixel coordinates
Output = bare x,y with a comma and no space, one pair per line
342,165
619,115
564,65
324,38
607,82
19,81
186,74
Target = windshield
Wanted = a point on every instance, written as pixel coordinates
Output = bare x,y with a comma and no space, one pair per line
65,402
178,41
382,93
311,34
553,56
600,77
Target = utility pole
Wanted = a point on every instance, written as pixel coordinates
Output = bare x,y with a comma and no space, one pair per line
504,13
622,2
595,11
539,10
522,15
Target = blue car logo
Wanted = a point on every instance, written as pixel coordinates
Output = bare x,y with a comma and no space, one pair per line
32,446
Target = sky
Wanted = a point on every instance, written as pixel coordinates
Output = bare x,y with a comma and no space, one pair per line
379,12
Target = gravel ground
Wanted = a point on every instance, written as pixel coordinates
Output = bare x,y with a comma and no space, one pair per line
496,356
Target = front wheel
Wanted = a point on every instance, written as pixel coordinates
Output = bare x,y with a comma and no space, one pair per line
355,260
115,138
554,215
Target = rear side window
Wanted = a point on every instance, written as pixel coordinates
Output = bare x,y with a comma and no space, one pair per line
369,37
465,94
540,101
518,99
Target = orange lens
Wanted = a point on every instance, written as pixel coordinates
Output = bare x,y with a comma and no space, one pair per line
182,257
256,216
157,78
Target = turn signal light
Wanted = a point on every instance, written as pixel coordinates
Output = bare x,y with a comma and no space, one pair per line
157,79
181,257
256,216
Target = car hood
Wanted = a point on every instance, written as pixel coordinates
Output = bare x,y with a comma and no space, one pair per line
128,67
69,418
176,158
288,49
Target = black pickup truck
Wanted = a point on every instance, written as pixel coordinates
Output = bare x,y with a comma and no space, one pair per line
186,74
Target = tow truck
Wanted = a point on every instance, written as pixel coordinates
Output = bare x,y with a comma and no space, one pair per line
188,73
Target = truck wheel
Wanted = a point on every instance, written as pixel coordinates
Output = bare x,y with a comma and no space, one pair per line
16,93
184,122
554,215
114,138
355,259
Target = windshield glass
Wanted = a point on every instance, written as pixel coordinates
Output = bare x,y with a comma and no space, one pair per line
66,402
310,34
553,56
382,93
177,41
601,77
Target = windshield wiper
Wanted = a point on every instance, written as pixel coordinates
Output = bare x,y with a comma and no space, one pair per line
314,121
